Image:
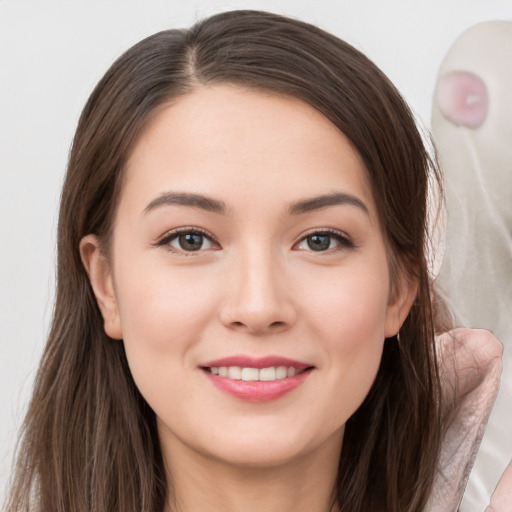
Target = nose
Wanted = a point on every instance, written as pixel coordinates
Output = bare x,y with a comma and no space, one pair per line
257,297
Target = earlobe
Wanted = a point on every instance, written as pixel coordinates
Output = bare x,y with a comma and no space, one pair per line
100,277
400,304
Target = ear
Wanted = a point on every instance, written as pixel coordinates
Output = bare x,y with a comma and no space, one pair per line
400,303
100,277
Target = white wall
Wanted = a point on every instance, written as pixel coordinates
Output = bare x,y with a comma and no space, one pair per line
51,55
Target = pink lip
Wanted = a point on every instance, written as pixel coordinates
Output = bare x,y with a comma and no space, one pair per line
257,391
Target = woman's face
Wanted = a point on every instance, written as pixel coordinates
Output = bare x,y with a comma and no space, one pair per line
248,277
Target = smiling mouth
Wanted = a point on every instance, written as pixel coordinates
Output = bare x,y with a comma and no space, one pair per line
250,374
256,379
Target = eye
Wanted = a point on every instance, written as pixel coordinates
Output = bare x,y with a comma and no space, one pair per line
322,241
188,240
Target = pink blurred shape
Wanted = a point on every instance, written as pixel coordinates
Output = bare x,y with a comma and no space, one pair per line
462,98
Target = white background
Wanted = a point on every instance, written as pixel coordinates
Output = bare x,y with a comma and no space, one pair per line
51,55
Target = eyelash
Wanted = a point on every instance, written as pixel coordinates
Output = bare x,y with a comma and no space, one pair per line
171,236
344,242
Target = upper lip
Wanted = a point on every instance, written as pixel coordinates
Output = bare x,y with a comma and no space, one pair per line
256,362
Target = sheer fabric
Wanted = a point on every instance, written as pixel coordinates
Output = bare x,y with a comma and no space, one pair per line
472,128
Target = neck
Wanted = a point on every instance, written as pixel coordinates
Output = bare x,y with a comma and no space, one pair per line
305,484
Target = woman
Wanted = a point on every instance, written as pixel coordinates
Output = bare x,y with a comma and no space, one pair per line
243,315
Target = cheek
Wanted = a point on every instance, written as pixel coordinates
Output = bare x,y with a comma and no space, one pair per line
350,307
161,308
349,322
163,319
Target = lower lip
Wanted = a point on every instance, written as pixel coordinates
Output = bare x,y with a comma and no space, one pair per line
258,391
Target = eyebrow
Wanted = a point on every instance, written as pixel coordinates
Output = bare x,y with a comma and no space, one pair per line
324,201
209,204
187,199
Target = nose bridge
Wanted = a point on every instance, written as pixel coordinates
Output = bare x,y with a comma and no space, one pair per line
257,298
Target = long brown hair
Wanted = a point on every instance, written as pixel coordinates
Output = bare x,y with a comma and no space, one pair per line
89,440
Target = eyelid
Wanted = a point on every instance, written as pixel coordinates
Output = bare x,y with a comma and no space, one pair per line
343,239
166,238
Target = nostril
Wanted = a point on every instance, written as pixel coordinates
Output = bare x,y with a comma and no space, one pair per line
257,326
463,99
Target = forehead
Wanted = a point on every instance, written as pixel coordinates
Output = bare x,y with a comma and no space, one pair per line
240,145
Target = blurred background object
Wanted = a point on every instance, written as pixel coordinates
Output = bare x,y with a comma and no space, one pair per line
472,128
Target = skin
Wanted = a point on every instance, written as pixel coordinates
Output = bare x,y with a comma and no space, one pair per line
255,288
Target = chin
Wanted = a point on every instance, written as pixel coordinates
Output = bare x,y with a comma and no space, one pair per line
264,449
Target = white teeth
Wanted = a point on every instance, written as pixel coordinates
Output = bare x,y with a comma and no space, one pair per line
268,374
250,374
235,372
254,374
281,372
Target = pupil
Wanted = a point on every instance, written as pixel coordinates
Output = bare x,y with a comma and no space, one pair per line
191,241
319,242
